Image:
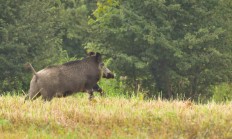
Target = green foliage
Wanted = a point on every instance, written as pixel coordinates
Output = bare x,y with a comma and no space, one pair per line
222,92
29,33
112,87
174,47
74,16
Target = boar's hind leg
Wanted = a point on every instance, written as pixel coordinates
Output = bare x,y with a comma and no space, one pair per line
47,96
32,95
26,98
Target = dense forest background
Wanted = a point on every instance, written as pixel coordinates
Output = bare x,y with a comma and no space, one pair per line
155,47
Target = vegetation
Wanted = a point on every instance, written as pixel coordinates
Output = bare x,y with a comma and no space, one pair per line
172,60
112,117
173,47
176,48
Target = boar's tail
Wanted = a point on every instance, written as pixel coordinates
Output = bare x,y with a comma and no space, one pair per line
32,69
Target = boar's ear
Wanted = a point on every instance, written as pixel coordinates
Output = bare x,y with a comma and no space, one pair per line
98,57
91,54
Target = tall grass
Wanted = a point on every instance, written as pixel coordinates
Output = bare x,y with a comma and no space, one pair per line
113,117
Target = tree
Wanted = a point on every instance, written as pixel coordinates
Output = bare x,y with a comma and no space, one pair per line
177,46
29,32
74,16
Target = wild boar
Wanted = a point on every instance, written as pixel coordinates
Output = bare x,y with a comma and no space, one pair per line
63,80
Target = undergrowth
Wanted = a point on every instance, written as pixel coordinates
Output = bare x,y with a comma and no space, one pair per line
113,117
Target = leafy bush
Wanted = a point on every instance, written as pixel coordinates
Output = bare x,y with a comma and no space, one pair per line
222,92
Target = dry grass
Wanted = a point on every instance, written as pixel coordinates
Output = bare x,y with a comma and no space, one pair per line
76,117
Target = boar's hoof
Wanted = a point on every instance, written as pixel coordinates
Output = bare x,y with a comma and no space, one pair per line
93,100
91,96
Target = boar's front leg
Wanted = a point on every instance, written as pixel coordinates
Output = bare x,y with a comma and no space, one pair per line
91,96
47,98
97,88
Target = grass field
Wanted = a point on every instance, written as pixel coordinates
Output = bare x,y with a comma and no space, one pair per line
116,118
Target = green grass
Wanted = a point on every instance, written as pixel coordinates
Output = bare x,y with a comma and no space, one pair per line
114,117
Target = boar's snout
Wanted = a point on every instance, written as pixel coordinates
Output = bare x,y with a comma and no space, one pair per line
106,73
108,76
